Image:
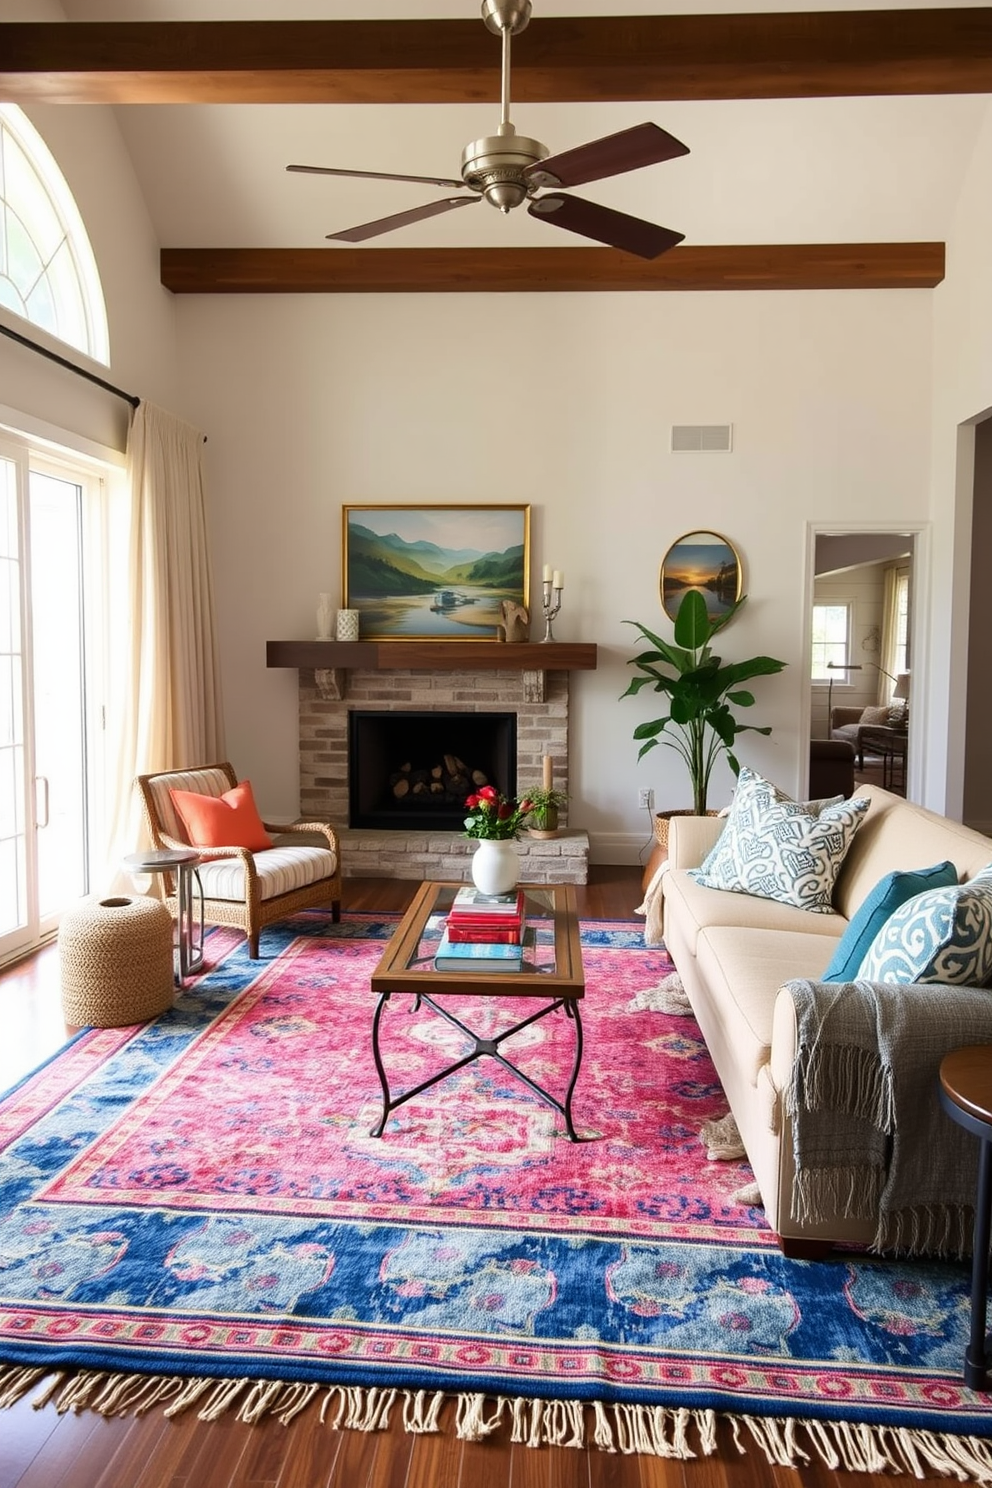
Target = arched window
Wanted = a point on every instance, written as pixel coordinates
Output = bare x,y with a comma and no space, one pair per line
47,270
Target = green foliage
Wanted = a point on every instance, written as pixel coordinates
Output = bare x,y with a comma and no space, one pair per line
701,690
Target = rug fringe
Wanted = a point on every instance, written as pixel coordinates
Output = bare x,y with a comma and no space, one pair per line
649,1431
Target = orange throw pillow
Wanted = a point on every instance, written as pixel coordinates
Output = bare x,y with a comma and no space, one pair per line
230,820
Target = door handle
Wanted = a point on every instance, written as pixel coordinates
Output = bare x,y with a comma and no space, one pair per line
41,780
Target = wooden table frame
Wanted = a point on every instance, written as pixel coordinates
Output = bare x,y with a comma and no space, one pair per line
398,972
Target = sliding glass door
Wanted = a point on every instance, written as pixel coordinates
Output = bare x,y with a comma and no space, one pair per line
44,723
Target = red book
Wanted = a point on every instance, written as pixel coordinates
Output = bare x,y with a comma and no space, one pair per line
485,934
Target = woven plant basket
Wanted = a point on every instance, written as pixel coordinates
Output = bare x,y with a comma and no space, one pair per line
115,957
662,818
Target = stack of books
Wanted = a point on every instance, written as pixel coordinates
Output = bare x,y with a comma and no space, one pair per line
484,932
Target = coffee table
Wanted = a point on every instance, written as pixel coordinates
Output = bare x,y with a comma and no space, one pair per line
551,973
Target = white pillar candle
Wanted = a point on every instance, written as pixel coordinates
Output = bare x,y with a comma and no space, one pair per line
559,579
548,776
547,573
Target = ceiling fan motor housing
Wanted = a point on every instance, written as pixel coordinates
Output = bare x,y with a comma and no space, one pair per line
495,166
506,15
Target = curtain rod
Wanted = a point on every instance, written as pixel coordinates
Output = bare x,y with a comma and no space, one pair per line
62,361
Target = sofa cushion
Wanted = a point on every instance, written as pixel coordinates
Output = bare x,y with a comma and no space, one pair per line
775,848
743,971
896,833
942,935
697,908
885,898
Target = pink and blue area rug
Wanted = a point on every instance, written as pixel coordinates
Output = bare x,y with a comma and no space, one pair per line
201,1198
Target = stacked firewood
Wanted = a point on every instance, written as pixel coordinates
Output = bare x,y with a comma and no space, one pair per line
449,780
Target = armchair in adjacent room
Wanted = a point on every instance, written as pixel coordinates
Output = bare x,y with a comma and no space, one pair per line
851,724
247,886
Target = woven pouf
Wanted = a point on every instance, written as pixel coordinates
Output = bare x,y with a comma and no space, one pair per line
116,962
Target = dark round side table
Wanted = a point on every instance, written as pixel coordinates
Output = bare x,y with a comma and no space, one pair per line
966,1096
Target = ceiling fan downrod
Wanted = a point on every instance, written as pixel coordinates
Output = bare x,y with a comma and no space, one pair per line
494,164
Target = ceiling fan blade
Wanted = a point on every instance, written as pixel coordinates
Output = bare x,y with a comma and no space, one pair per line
604,225
402,219
332,170
644,144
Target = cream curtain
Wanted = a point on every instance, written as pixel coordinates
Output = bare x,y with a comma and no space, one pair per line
168,694
890,634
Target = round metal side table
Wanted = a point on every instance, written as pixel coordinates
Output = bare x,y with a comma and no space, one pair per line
189,934
966,1096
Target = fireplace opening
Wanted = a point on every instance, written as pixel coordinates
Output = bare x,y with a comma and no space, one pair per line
414,770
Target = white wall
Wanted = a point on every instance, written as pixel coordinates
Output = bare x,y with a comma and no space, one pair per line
962,376
563,401
87,145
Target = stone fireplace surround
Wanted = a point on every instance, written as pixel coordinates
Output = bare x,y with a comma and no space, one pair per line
542,728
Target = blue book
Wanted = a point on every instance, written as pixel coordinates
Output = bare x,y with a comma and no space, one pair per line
477,955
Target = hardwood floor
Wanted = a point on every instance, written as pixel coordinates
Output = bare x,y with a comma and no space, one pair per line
41,1449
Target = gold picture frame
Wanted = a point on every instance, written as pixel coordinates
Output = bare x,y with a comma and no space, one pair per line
705,561
430,573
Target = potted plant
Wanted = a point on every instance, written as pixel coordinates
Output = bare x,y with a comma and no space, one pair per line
701,690
545,804
495,820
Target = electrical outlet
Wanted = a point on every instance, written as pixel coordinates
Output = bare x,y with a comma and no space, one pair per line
645,797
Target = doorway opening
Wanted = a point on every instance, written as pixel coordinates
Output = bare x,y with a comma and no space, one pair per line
862,608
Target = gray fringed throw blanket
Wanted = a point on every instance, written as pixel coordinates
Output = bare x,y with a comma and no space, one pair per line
869,1136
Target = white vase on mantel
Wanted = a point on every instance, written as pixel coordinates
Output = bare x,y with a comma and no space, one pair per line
326,610
496,865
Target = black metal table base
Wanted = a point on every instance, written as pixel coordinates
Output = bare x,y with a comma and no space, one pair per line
481,1047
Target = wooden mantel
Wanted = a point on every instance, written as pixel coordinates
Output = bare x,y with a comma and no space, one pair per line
332,660
421,656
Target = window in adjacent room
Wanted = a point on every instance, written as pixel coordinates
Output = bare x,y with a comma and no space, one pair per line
832,626
48,273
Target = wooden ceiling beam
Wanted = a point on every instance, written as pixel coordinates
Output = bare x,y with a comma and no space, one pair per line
520,270
556,60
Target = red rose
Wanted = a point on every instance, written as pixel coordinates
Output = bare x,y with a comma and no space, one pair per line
526,806
488,794
504,811
471,801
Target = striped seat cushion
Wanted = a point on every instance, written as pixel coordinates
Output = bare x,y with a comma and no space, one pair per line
281,870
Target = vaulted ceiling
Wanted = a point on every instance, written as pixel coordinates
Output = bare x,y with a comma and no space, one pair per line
827,148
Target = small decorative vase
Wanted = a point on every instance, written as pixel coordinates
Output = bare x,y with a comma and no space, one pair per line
347,629
496,865
325,617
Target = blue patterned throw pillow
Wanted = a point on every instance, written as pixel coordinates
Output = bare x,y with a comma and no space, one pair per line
777,848
885,898
942,935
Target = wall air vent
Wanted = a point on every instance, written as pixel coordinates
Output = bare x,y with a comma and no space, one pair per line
711,438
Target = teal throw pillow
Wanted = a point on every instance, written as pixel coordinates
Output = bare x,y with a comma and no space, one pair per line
885,898
942,935
777,848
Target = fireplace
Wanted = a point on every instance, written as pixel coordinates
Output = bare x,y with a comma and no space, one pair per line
413,769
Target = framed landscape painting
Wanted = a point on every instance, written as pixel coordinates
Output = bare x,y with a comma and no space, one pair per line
704,561
417,573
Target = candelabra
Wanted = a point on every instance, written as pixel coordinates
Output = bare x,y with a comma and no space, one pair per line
551,602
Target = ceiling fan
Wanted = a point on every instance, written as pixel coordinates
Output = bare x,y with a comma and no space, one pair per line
508,169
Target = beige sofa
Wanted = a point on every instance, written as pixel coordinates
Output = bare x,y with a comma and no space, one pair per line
734,951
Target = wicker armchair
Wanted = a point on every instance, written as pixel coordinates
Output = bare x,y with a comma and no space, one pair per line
246,889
